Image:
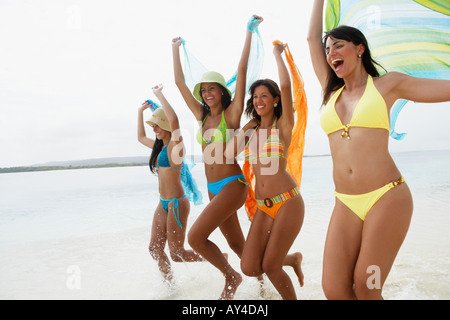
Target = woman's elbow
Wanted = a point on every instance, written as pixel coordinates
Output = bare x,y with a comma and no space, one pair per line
174,123
179,80
141,139
286,86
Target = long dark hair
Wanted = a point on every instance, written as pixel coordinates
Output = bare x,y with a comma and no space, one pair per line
226,100
355,36
250,110
157,147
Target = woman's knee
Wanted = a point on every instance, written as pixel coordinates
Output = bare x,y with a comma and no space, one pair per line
192,239
250,268
336,289
176,252
367,288
155,250
271,268
195,239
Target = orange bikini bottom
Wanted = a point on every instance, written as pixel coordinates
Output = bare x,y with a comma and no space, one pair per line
271,206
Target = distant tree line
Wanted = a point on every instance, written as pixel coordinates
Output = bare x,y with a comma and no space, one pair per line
49,168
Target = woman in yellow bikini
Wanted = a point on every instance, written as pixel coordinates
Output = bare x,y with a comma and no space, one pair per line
374,205
280,212
212,105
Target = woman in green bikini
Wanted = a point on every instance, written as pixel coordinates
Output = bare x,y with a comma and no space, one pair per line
212,105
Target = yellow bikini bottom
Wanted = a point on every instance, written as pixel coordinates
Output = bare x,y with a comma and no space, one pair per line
360,204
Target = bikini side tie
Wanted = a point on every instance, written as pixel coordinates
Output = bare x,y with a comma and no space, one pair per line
176,206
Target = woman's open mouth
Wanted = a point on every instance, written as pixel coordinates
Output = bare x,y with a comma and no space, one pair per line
337,64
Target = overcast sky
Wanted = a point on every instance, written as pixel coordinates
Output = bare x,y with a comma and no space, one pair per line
74,72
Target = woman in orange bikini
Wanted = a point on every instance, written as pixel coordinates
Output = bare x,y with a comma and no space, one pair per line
280,212
212,105
373,206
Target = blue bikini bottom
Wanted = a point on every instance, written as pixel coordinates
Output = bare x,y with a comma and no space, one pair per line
176,206
216,187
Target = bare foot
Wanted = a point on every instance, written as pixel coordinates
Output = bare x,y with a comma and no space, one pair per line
168,277
297,265
231,285
294,260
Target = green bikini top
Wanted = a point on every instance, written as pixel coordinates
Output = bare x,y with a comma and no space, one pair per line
221,133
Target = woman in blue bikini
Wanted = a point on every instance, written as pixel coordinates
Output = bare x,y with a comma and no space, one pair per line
175,185
213,107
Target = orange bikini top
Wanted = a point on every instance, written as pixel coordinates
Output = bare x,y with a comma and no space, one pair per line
273,148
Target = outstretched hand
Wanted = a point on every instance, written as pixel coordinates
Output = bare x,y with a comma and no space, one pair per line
254,22
145,105
278,47
259,18
176,42
157,89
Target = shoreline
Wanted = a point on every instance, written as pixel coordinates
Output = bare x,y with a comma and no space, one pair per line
70,167
132,162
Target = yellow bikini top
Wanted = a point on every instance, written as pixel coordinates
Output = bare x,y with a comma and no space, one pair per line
370,112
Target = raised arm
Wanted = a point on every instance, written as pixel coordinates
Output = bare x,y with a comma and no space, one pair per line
168,110
190,100
315,33
176,145
241,79
142,137
287,119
